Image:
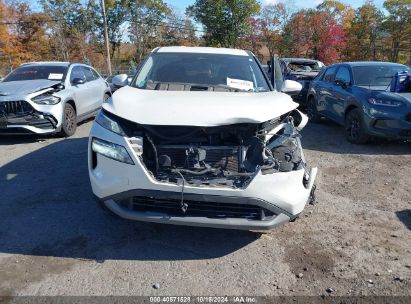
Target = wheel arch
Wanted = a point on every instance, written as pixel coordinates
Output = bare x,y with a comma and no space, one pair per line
72,103
349,108
310,95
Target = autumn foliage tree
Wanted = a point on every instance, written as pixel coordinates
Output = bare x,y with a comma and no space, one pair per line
398,25
314,34
365,34
29,31
7,51
274,19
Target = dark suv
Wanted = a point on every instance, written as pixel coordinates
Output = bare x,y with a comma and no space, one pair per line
358,96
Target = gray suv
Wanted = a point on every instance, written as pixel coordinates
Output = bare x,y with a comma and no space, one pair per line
50,97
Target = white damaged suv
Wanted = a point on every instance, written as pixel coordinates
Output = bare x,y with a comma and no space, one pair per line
201,137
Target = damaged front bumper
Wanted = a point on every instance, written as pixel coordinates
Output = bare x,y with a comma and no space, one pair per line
23,117
203,210
132,192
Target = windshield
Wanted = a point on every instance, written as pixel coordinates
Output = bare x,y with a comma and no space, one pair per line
304,66
34,72
201,72
376,75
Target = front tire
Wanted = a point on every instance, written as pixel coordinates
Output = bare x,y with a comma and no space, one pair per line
355,130
69,125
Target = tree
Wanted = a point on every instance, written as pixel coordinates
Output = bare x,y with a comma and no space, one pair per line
253,38
274,19
296,35
365,33
398,25
7,49
314,34
328,38
224,21
146,19
117,14
29,31
70,26
179,29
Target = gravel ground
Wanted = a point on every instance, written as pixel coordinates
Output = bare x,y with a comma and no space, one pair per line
354,241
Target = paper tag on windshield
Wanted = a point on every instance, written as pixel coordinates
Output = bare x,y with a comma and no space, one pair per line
240,84
55,76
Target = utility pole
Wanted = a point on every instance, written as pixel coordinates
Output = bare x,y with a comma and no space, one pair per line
103,8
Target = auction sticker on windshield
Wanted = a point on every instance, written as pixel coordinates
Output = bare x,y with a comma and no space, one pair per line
240,84
55,76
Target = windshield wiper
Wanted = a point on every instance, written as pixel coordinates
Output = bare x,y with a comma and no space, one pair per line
205,87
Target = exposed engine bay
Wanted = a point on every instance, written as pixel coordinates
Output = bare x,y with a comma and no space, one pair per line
223,156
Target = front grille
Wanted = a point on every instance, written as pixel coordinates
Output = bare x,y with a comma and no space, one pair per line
408,117
15,108
217,157
172,207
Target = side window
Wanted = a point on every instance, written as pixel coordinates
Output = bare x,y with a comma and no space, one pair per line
77,72
319,75
329,74
283,67
343,74
95,74
88,73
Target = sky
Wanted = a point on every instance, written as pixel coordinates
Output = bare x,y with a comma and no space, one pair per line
182,4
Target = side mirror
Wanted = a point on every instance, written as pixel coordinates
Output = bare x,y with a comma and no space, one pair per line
341,83
291,87
77,81
120,80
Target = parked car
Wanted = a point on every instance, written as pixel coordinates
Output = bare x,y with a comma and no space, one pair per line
301,70
50,97
201,138
357,95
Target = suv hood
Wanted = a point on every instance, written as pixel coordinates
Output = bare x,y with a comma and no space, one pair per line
380,92
197,108
23,88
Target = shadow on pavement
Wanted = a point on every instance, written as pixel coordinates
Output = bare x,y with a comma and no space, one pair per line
328,136
47,209
405,217
6,140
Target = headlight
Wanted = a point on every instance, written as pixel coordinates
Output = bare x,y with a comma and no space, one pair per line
111,150
108,123
46,99
383,102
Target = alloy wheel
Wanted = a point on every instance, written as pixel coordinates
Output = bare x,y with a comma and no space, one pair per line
69,119
353,128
